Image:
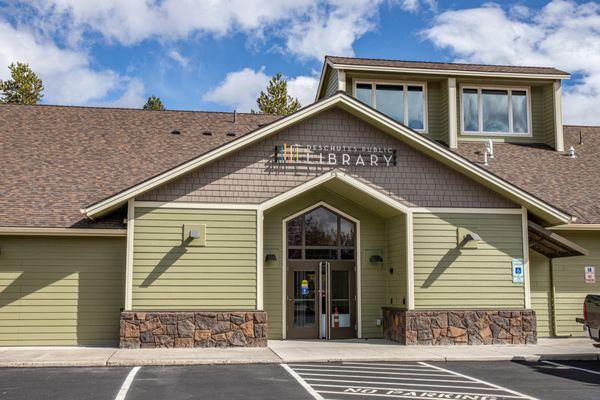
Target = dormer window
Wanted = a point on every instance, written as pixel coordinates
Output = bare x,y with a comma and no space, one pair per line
402,101
495,111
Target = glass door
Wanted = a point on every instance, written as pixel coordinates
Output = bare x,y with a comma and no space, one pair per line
342,300
303,301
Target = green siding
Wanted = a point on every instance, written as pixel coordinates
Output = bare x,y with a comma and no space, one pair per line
448,277
548,116
396,258
331,85
570,288
443,115
541,292
168,275
61,290
372,238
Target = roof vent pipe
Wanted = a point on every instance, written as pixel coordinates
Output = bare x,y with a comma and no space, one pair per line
489,147
572,152
580,137
234,116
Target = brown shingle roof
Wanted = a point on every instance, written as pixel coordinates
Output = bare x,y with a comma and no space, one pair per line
56,160
513,69
570,184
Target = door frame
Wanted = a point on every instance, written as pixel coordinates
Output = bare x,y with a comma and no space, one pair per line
284,264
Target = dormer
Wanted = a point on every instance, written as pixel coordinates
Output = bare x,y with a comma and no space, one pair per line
453,103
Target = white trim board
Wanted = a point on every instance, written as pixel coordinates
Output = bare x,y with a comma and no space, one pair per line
370,115
459,210
5,231
188,205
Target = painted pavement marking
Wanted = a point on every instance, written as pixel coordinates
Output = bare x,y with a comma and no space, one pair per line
389,380
127,383
564,366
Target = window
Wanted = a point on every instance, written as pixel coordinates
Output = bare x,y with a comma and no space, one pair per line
404,102
321,234
503,111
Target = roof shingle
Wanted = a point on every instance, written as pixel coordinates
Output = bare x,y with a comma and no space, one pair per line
444,66
57,160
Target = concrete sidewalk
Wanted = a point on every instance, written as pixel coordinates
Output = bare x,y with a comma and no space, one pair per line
296,351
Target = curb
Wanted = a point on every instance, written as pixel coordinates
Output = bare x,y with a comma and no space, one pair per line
220,361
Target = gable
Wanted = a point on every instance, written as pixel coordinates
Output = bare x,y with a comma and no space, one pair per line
251,175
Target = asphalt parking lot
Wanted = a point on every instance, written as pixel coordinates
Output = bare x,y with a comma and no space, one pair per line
497,380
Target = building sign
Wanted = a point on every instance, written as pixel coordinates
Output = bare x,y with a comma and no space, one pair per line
590,274
335,155
518,273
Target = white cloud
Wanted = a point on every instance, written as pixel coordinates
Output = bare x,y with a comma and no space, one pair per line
240,89
176,56
308,28
67,75
562,34
133,95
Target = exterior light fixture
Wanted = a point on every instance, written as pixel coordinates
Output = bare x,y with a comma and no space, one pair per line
194,233
271,257
472,236
376,258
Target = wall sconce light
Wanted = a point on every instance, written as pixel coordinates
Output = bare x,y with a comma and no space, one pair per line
271,257
466,239
472,236
376,258
194,233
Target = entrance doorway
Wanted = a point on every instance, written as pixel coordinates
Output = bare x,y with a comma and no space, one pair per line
321,287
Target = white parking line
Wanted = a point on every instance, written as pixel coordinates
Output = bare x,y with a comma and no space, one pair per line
362,367
127,383
339,381
301,381
571,367
521,395
362,371
428,385
388,377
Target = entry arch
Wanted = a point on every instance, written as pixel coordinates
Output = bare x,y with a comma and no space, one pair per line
357,251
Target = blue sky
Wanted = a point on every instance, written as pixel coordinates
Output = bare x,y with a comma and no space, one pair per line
217,55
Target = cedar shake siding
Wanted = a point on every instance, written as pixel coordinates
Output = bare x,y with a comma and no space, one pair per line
251,176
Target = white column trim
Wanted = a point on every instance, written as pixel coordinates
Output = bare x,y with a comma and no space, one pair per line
527,285
129,254
559,144
410,263
341,80
259,260
452,114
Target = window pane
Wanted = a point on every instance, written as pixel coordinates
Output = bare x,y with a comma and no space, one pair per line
519,110
364,94
347,254
494,104
346,233
390,101
294,232
294,254
321,254
320,228
416,102
470,110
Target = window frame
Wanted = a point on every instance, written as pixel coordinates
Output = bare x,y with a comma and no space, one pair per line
481,132
404,85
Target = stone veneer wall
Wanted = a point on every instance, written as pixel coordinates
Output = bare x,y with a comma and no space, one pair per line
448,327
193,329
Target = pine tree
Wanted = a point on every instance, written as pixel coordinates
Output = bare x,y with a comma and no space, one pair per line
276,100
154,104
24,87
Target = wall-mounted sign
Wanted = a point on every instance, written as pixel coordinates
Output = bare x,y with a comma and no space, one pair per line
518,272
304,287
343,155
590,274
